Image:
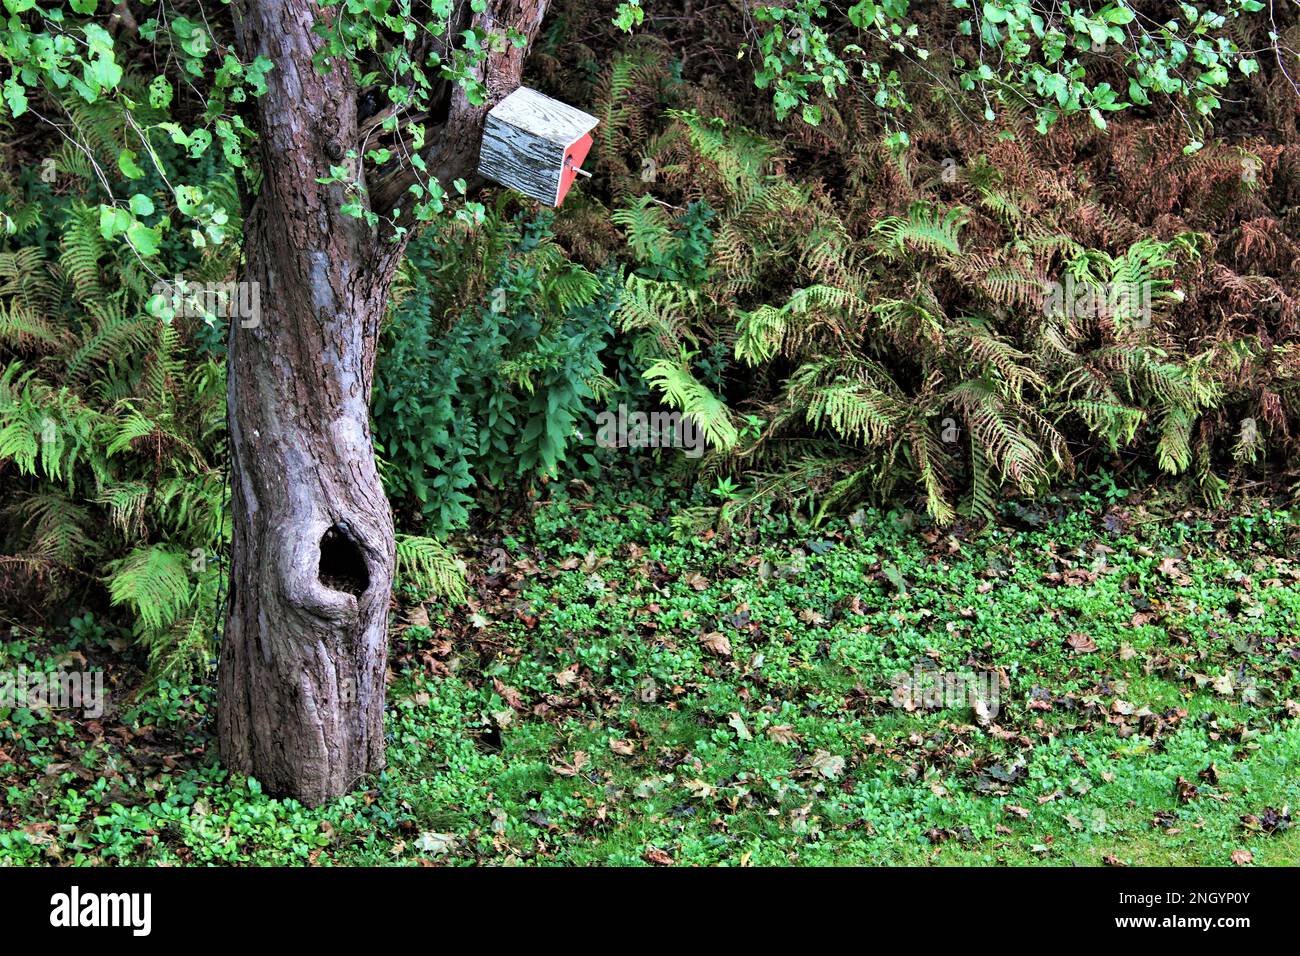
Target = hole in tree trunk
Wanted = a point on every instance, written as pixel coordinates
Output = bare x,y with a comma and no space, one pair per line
342,568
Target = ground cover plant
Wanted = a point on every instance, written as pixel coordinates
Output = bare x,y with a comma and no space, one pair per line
624,693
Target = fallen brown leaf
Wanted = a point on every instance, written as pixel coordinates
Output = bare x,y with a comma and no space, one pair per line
783,734
657,856
716,642
1081,643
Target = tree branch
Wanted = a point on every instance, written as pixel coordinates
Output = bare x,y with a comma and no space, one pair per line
453,149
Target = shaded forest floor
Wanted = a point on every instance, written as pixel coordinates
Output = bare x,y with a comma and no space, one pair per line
621,689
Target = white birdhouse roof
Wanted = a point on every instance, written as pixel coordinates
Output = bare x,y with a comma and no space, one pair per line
539,115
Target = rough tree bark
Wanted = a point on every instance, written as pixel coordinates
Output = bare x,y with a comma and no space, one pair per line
301,679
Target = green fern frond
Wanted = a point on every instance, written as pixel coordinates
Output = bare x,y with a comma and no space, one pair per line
660,312
26,330
996,426
646,226
126,504
925,229
682,390
59,529
427,564
155,582
854,410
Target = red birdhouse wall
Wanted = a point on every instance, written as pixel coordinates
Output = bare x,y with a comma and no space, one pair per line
572,163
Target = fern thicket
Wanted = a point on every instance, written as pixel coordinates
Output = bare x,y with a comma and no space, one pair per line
111,434
961,328
112,423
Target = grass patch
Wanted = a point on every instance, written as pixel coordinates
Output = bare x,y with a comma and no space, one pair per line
632,691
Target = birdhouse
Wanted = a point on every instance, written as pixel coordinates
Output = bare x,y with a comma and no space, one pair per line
535,145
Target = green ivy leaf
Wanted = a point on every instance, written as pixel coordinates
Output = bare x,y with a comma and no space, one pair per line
1117,15
146,239
141,205
255,73
15,96
160,93
113,221
126,161
102,73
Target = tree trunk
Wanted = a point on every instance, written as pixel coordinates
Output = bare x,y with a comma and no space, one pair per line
301,679
301,684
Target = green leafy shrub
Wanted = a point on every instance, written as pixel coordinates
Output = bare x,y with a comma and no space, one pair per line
491,367
1005,55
